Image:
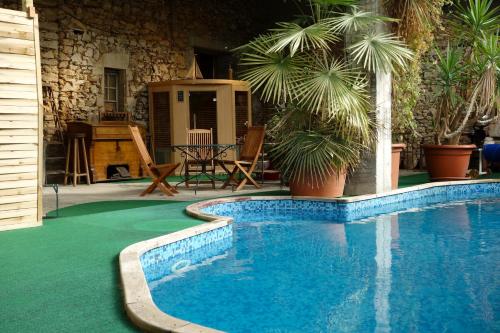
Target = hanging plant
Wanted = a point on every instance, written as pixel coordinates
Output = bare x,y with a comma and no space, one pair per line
418,20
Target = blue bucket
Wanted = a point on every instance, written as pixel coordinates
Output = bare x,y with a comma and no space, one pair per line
491,152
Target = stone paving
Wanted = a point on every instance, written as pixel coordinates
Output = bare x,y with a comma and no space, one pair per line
69,195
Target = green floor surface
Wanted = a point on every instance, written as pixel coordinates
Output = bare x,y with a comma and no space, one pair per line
63,277
412,180
422,178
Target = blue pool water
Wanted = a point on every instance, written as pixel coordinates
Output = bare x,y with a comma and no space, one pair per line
427,270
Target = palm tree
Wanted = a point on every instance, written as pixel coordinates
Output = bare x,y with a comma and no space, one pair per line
315,70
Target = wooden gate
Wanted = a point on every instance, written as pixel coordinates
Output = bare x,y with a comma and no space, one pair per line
20,121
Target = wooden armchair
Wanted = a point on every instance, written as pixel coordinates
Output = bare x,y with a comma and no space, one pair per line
158,172
248,158
200,137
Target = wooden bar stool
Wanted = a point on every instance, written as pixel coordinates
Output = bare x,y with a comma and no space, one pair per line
74,142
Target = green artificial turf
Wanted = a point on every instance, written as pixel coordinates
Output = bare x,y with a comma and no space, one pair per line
422,178
64,276
412,180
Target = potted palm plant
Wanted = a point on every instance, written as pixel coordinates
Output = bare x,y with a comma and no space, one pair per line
468,91
315,70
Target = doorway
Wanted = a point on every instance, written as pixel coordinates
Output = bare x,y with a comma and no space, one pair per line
203,111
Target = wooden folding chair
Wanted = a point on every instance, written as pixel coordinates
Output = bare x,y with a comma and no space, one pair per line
159,172
247,161
200,137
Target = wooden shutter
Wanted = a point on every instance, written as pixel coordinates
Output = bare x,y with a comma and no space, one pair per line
20,121
241,113
161,120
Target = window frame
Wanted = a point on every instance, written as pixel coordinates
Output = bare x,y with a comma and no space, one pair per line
118,88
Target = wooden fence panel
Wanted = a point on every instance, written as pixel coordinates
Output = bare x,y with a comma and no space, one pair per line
20,121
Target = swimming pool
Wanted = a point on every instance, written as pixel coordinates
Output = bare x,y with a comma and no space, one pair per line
294,267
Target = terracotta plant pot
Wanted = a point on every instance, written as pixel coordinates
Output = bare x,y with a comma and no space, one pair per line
331,188
447,162
397,148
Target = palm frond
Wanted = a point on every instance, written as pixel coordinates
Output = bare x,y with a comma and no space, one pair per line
354,20
488,49
450,74
380,52
480,16
297,38
315,154
288,118
488,63
336,92
270,73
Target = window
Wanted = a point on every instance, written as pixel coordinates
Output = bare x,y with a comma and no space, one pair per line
213,64
113,90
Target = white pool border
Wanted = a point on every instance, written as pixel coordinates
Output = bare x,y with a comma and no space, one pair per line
139,303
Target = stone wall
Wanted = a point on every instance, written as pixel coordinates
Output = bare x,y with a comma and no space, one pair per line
425,107
427,103
152,40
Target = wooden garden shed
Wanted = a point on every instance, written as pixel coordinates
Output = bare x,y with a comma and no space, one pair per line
178,105
21,129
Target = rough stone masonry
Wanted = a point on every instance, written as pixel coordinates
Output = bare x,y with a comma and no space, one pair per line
152,40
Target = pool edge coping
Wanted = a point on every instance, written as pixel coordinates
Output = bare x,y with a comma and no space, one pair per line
138,301
139,304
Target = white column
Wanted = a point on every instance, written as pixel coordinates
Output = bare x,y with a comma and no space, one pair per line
374,175
383,150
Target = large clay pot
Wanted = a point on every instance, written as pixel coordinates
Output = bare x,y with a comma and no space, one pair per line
447,162
332,187
397,148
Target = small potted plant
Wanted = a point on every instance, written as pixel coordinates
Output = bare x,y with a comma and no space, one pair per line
468,90
317,78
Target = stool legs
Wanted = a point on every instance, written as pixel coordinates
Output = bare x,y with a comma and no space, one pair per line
76,162
85,162
74,148
68,155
